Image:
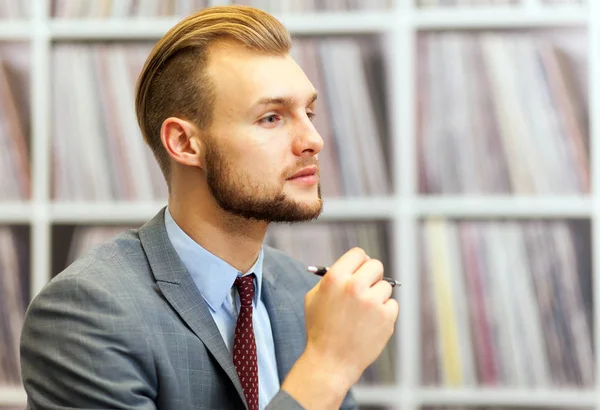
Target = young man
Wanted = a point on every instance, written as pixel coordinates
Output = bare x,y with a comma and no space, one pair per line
191,311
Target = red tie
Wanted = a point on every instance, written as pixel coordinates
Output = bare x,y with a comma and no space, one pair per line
244,345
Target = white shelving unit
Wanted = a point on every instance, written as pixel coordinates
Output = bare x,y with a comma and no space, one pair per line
12,397
403,210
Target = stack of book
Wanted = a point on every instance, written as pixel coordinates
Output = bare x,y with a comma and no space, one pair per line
506,304
525,130
13,9
15,179
14,298
94,116
322,244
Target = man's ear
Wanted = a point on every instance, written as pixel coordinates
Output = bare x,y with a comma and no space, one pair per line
181,139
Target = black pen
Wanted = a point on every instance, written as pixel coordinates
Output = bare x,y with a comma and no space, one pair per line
322,270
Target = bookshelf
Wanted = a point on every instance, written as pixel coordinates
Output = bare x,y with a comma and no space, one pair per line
403,210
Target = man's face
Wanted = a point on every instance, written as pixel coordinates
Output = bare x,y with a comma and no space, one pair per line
261,157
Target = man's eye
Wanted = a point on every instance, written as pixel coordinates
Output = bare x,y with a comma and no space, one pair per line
311,115
271,119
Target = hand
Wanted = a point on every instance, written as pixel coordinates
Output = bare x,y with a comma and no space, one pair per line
350,316
349,320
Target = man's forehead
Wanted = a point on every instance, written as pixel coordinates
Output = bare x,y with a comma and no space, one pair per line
244,74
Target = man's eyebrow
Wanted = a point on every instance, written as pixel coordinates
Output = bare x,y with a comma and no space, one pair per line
285,100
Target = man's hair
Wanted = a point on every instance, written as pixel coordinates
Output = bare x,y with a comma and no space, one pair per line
174,82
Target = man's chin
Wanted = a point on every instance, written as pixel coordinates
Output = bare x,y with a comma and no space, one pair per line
311,209
287,211
298,211
309,200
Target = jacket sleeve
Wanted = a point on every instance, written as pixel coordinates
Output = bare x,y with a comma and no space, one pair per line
82,347
283,401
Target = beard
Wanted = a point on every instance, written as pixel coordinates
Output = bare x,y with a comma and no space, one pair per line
236,193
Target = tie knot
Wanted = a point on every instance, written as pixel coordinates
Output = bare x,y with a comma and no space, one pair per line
245,288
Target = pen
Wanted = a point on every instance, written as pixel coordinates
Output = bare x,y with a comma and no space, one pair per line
322,270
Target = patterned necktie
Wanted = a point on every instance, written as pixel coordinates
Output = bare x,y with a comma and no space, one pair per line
244,344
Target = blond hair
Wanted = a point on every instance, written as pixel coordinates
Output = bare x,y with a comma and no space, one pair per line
174,82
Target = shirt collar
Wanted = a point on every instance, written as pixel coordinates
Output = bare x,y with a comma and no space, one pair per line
212,275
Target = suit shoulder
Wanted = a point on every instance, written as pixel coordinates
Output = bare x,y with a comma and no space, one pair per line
109,264
290,266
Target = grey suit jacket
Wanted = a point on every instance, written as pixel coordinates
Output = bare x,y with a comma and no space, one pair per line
125,327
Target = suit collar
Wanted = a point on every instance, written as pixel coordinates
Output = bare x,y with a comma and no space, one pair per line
212,275
180,291
285,313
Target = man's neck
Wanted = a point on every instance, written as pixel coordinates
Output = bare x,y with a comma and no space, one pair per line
232,238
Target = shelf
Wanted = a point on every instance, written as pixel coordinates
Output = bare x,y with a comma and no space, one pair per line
12,396
328,23
500,17
315,23
334,209
154,28
15,30
507,397
404,212
109,212
358,208
139,212
15,212
528,207
108,29
353,22
378,395
388,396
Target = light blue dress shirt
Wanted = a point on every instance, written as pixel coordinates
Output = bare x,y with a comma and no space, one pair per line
214,278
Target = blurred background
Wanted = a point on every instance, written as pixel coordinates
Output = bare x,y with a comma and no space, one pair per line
459,149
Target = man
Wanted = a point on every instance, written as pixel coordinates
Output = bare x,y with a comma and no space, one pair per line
191,311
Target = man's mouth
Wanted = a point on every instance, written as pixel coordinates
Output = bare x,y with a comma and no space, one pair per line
307,175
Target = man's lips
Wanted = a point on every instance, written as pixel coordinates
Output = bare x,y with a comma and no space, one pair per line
304,172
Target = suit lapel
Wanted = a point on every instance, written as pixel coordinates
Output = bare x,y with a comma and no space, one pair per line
286,317
181,292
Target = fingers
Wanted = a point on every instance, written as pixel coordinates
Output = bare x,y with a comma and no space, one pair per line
348,263
380,292
392,308
367,275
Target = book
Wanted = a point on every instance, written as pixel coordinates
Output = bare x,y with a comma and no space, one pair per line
15,185
14,298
